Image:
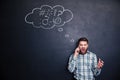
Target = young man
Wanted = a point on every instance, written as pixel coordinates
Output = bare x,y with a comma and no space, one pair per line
83,63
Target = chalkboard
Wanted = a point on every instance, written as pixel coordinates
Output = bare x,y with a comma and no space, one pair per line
38,36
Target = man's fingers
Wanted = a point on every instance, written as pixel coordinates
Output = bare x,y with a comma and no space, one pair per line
100,64
100,61
77,49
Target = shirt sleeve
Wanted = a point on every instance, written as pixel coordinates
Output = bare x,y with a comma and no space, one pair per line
96,71
72,63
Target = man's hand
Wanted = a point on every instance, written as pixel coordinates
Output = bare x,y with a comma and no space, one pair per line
100,64
77,50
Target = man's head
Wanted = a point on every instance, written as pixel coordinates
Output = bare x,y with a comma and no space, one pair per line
83,45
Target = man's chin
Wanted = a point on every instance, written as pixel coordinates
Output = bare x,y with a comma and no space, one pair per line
83,52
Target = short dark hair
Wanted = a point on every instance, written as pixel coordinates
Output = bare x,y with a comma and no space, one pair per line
81,39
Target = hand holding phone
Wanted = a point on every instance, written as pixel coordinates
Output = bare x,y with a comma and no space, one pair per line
77,50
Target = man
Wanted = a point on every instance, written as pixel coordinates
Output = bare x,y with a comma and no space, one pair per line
83,63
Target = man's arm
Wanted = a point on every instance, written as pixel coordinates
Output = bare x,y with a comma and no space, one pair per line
73,60
72,63
96,69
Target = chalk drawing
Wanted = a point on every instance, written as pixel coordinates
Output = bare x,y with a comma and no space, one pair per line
67,35
48,17
60,29
72,40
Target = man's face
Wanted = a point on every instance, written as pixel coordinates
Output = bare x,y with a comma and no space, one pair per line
83,46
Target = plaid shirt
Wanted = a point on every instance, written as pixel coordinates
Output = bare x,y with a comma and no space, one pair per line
84,66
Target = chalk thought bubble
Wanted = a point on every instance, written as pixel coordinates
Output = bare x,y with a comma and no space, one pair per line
48,17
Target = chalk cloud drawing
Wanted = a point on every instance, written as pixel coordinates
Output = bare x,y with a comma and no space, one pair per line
48,17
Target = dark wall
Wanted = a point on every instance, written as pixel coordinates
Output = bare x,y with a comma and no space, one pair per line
30,53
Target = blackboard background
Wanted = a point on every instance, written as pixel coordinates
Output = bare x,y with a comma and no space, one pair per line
29,53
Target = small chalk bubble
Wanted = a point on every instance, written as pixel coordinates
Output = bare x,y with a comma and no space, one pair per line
60,29
66,35
72,40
